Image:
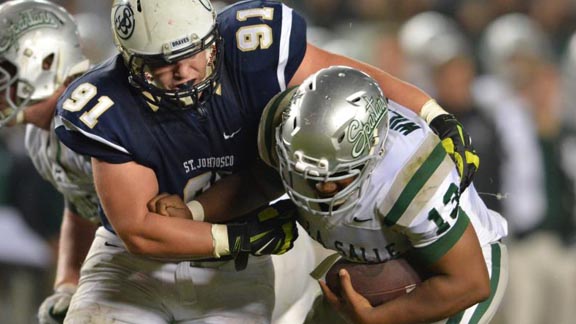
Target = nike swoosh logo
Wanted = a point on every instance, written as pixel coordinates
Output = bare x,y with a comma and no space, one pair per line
363,220
227,137
108,244
259,251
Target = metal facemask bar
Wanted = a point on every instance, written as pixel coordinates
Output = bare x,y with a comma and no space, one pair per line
187,96
305,169
11,107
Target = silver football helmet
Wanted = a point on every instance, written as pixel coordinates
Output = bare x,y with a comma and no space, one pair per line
152,33
334,128
509,37
39,51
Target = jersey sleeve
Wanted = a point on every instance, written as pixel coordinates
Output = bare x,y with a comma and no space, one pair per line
422,203
93,115
265,43
81,143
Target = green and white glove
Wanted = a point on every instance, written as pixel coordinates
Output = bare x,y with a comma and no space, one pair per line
268,230
455,141
54,308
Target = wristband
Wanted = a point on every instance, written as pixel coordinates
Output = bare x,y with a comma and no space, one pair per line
20,117
195,207
430,110
68,288
220,240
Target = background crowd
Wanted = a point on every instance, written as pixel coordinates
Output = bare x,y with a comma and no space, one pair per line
505,68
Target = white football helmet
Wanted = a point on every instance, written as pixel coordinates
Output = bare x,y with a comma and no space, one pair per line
432,38
334,128
428,40
511,36
151,33
39,51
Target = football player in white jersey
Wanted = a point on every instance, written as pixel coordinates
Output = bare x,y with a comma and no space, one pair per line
39,58
372,181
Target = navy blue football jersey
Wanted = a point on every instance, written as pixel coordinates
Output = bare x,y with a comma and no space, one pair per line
102,116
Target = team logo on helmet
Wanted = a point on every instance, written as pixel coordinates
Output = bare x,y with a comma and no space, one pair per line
27,20
124,21
363,135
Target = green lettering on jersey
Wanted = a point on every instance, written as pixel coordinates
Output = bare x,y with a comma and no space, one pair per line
401,124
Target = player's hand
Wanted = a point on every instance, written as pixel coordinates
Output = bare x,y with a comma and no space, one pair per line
169,205
458,145
54,308
351,304
269,230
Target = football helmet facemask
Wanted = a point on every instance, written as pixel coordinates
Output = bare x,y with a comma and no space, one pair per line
334,128
39,51
151,33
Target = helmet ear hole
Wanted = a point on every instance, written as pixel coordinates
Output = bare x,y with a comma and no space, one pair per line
47,62
311,86
9,68
340,138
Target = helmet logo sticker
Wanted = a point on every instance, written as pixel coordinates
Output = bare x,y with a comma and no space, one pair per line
362,134
26,21
124,21
206,4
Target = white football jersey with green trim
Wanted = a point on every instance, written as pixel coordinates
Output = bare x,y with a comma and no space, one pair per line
70,173
410,204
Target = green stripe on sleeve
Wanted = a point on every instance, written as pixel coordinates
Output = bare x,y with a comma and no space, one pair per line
415,185
494,281
433,252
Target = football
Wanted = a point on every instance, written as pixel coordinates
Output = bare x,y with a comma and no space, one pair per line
379,282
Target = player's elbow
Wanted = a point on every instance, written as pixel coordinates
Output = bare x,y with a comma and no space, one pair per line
478,290
482,289
136,244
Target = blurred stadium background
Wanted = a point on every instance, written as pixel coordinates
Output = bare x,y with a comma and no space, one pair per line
505,68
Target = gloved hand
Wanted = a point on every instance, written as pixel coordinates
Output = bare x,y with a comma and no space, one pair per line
54,308
269,230
458,145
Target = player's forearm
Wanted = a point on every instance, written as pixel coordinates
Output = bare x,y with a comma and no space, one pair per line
460,281
239,194
400,91
435,299
163,237
76,235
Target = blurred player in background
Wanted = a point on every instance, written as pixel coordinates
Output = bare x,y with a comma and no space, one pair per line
40,55
176,111
372,182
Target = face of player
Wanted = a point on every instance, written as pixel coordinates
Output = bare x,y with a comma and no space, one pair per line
330,188
188,71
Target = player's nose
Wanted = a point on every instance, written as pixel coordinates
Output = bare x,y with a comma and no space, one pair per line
183,72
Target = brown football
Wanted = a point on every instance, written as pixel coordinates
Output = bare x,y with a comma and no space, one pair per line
379,282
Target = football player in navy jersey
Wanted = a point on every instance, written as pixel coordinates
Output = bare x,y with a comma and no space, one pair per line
174,112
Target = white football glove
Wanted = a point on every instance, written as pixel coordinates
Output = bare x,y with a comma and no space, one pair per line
54,308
